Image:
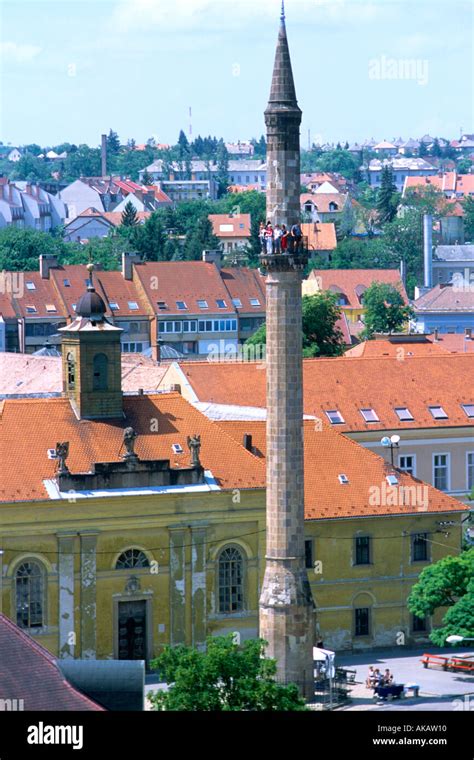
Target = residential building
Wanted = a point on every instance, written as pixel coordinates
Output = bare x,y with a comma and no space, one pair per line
321,239
350,286
451,184
241,149
179,191
452,262
385,149
246,288
241,172
92,223
447,308
427,400
14,155
315,180
402,168
322,206
100,193
40,312
232,230
28,206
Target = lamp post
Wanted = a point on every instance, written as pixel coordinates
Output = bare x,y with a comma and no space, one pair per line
392,443
456,639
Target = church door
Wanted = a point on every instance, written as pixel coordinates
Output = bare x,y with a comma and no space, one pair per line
132,644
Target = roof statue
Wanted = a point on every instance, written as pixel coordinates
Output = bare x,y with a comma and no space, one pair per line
194,445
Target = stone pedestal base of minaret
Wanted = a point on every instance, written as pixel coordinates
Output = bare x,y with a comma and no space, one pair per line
287,622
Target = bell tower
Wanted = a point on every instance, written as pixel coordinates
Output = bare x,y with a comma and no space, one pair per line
91,360
286,605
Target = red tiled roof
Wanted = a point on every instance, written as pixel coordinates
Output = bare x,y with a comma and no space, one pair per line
447,182
48,420
322,201
239,225
29,672
160,195
351,282
381,347
328,454
43,294
351,384
6,309
243,284
188,281
321,235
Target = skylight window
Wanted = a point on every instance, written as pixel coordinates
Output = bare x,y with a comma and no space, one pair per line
177,448
162,305
133,306
30,285
237,303
221,303
343,479
30,309
335,417
181,305
202,304
469,409
438,413
254,302
50,307
404,414
114,305
369,415
74,306
392,480
66,283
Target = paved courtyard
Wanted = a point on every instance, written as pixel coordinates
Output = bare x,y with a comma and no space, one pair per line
439,690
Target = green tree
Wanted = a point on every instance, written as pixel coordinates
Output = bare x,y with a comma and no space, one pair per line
468,205
200,238
422,150
226,677
222,176
388,197
149,239
83,162
321,336
147,179
129,215
31,168
20,249
447,583
436,148
385,310
464,166
113,143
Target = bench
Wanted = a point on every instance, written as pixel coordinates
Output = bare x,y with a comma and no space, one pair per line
413,687
435,659
394,691
460,664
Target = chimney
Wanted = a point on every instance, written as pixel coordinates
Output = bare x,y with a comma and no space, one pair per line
128,260
428,250
103,155
248,442
213,257
47,261
436,334
403,272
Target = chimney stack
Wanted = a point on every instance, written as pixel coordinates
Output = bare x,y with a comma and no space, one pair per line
47,261
213,257
103,155
128,260
428,250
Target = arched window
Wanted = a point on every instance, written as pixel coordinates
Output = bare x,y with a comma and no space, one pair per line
29,595
71,371
231,574
100,372
132,558
333,206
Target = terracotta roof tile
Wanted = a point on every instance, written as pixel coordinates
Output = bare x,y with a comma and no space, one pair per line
29,427
352,282
42,293
327,454
321,235
243,284
29,672
351,384
230,226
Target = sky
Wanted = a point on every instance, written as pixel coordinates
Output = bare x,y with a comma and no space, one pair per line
73,69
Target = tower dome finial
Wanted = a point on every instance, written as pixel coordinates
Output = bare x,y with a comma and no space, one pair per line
282,17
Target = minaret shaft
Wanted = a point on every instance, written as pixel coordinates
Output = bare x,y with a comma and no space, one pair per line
286,607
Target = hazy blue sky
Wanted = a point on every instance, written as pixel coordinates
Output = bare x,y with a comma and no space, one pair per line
72,69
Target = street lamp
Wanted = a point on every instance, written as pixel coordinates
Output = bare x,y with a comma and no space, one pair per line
456,639
392,443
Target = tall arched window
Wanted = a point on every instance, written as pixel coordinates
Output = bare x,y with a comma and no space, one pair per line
132,558
29,594
71,371
100,372
231,580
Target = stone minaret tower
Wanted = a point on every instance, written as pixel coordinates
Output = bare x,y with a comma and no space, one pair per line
286,606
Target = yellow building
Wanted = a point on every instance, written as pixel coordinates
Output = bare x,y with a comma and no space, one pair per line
128,522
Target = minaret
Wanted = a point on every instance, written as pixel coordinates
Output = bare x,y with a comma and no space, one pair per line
286,605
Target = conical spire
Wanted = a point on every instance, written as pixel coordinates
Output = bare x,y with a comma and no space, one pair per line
283,93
